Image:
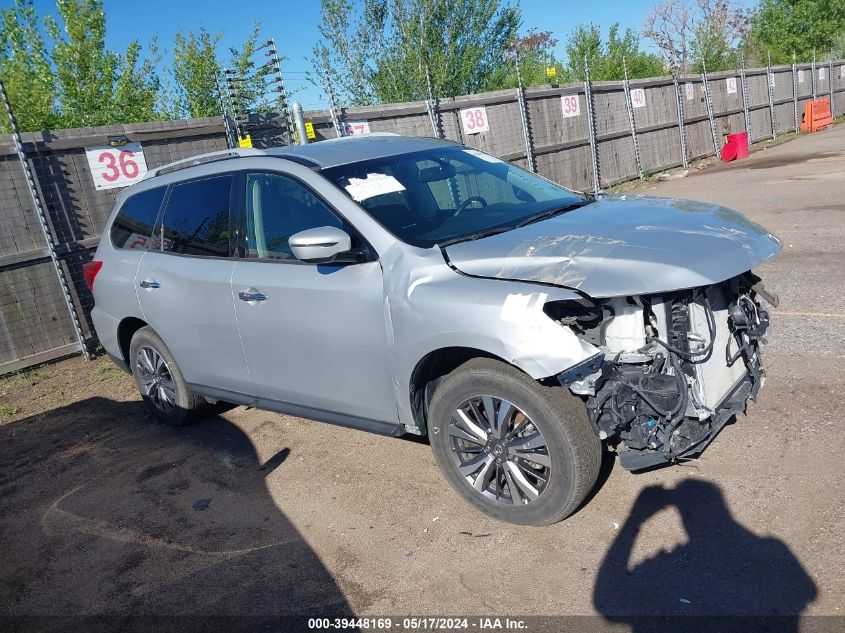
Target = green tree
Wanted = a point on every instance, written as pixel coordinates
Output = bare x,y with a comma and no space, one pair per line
378,50
195,70
85,69
25,69
137,91
536,54
799,28
253,93
605,59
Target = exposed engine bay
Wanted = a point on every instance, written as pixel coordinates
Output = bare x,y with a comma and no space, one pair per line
674,367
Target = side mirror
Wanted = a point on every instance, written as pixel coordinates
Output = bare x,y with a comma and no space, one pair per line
321,245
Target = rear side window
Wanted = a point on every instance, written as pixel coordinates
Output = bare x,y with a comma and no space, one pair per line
196,217
133,225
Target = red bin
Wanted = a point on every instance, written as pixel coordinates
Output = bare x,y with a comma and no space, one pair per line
741,140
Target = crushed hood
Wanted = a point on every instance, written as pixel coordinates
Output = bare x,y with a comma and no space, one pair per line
623,245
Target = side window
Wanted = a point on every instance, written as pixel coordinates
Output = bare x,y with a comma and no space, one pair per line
133,224
196,217
278,207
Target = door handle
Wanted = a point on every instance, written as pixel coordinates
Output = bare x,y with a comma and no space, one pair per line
252,295
150,283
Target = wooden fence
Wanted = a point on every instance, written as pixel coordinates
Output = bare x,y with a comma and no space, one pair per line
636,130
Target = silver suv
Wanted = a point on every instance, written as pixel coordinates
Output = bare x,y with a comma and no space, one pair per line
411,285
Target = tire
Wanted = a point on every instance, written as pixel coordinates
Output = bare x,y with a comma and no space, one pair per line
561,438
170,384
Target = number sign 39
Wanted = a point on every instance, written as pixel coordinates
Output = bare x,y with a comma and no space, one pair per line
116,166
475,120
571,105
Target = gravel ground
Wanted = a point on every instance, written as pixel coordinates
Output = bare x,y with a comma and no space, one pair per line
103,511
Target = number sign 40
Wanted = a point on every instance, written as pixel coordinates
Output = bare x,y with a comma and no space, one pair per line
474,120
116,166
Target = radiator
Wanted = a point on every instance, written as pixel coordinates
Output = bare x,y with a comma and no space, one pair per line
715,379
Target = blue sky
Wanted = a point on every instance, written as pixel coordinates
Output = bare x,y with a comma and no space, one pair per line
294,25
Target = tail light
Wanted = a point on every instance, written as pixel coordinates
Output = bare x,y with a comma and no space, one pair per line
89,271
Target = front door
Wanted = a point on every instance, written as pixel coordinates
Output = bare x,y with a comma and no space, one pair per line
315,335
183,283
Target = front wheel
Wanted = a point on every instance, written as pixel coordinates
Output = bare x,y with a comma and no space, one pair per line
516,450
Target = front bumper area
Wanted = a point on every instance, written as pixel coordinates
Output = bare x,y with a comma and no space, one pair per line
667,402
734,404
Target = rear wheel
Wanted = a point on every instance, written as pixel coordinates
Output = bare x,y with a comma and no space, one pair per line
159,379
516,450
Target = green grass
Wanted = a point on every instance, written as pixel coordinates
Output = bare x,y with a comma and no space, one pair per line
7,410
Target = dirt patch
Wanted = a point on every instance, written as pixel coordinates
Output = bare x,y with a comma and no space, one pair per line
792,159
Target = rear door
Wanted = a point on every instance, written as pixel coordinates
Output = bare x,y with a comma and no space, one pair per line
316,336
183,284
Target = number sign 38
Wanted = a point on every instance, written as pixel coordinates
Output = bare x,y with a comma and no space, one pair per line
475,120
116,166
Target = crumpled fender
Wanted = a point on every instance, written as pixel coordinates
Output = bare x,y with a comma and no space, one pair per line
429,306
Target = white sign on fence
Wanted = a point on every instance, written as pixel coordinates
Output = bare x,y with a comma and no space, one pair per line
842,72
690,91
730,82
800,76
355,128
474,120
571,105
638,98
821,73
116,166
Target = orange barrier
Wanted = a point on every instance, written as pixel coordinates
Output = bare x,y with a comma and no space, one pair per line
816,115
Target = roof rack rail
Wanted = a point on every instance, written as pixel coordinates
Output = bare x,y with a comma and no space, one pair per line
201,159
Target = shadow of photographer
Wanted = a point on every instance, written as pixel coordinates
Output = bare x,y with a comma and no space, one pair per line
724,576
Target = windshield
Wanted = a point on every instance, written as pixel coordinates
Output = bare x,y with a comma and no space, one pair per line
449,194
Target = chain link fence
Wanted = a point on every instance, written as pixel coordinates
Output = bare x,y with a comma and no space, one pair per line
584,135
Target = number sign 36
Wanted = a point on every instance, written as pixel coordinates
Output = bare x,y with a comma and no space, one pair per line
116,166
475,120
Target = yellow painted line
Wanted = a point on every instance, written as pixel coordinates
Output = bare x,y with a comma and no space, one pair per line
831,315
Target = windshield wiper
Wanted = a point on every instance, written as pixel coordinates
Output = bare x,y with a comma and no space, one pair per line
475,236
552,212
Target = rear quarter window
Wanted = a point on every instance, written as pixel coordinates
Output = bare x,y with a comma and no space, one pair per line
133,224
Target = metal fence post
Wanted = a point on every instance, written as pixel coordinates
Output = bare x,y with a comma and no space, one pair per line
813,71
770,81
709,109
230,142
42,222
591,125
627,89
230,95
333,110
431,106
283,95
746,113
681,131
830,85
523,114
795,94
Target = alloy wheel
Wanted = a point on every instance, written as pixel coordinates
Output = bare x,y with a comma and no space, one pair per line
155,378
499,451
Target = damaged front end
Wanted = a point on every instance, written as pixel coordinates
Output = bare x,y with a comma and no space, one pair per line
674,367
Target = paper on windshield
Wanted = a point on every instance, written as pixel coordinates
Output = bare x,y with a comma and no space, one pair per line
483,156
373,185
